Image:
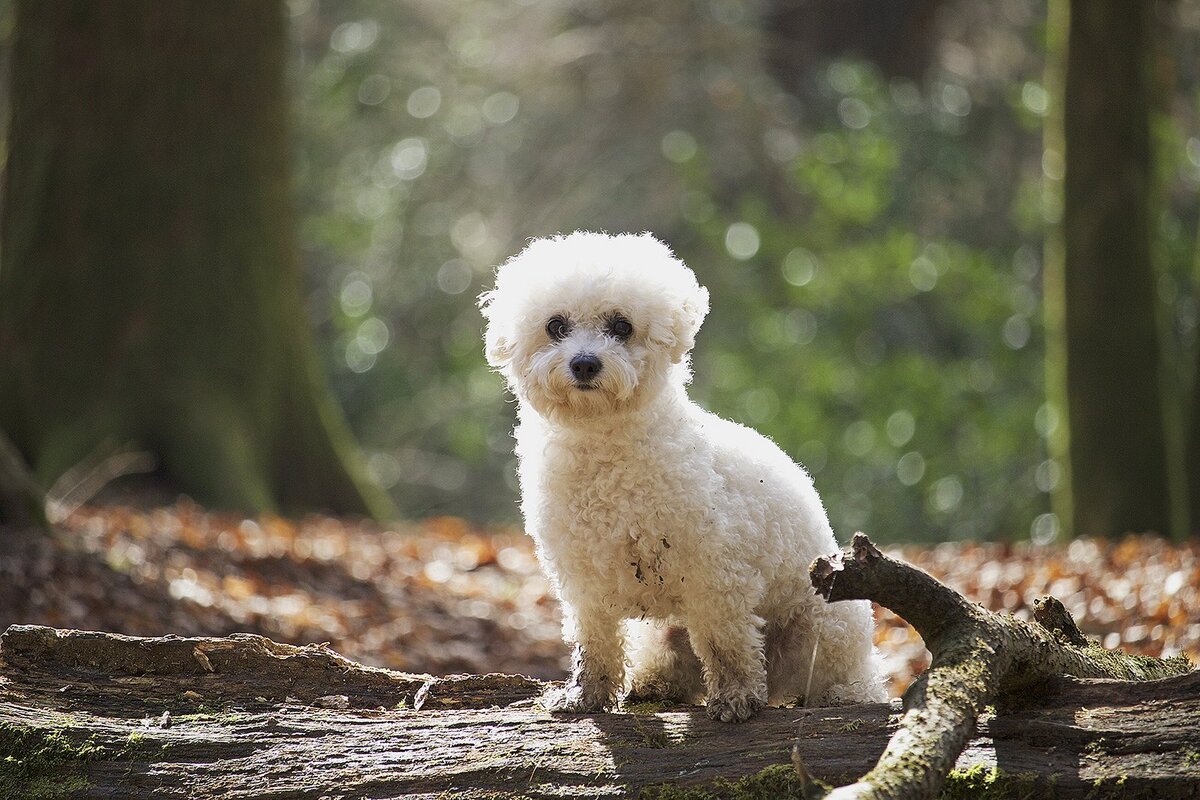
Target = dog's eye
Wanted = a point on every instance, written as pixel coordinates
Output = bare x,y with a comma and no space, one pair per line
620,328
557,328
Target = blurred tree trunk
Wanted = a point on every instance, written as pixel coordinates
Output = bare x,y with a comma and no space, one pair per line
898,36
149,281
1058,443
21,501
1119,462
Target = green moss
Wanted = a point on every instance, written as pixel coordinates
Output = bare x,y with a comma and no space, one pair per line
645,707
43,786
1137,667
777,781
1111,787
656,739
988,783
42,765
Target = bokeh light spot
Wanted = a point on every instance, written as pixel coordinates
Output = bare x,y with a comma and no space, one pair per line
900,427
742,240
374,89
910,468
946,493
501,107
799,266
859,438
923,274
454,277
424,102
1045,529
409,158
678,146
356,296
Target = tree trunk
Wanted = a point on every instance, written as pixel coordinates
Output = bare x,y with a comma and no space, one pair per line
21,499
1119,462
93,715
149,282
899,36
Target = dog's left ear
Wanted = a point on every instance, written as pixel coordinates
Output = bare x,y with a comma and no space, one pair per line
686,322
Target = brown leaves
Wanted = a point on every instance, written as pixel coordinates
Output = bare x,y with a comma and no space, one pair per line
445,596
440,596
1140,593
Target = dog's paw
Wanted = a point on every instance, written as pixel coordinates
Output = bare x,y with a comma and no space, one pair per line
733,707
575,699
654,692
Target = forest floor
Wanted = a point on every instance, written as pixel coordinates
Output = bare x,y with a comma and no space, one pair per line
442,596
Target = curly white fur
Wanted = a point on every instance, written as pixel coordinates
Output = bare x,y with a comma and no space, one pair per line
653,517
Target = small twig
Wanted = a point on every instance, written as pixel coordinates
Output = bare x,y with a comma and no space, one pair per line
811,788
81,482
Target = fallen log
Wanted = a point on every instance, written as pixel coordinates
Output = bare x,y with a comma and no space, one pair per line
96,715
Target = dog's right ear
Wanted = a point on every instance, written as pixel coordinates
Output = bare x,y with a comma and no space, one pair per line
497,344
497,350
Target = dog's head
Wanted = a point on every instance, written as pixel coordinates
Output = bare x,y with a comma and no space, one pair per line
590,324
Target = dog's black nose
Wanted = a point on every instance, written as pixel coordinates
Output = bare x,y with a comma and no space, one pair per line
585,367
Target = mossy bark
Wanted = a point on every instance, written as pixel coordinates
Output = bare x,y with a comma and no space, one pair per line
150,288
1118,446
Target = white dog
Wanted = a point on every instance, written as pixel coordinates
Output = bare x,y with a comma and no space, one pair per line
652,514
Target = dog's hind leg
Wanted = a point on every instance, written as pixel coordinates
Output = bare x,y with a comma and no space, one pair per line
725,634
662,663
825,658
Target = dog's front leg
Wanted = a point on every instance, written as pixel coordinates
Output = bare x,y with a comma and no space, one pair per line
597,669
727,638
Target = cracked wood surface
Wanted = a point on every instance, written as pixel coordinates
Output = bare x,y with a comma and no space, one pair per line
105,716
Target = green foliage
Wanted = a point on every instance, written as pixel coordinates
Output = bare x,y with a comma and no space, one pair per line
872,247
984,783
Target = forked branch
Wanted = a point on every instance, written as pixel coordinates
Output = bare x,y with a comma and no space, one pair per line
977,656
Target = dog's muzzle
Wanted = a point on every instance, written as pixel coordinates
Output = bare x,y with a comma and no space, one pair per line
584,368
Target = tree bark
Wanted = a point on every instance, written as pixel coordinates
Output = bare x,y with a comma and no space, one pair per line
21,499
94,715
150,289
1119,460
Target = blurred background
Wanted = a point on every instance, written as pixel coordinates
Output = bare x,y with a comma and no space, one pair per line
864,188
950,244
867,189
